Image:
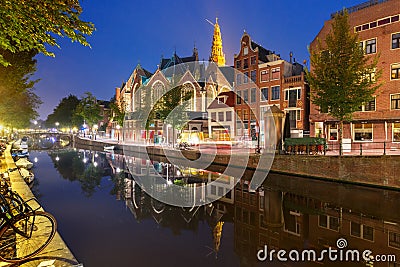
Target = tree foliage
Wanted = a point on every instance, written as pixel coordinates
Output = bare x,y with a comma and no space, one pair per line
118,110
18,101
88,110
343,78
339,82
33,25
64,112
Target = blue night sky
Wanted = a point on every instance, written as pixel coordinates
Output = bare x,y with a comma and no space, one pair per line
130,31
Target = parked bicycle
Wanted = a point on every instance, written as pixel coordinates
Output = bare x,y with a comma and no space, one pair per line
25,230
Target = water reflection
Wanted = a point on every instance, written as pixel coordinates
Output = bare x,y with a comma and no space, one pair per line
84,166
284,213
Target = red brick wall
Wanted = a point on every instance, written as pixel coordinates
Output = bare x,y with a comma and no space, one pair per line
388,56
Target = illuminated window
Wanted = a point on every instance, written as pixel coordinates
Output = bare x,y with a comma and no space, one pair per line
333,132
395,71
363,132
395,101
396,132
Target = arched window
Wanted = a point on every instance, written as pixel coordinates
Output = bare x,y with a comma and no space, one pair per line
157,91
188,89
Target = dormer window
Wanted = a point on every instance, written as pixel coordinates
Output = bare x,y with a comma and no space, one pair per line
221,100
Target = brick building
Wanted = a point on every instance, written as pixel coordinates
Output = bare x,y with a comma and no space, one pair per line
378,28
263,79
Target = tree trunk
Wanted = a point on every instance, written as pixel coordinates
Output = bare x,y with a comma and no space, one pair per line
340,137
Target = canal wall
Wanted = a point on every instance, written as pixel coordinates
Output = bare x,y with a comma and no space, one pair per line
379,171
57,250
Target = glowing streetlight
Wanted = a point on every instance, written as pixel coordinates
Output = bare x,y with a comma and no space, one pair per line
118,127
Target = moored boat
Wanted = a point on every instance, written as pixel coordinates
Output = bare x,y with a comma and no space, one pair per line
27,175
24,163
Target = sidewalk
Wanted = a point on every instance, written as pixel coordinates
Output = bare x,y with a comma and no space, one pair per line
224,150
56,254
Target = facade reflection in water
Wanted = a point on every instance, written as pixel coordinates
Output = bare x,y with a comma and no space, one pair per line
285,213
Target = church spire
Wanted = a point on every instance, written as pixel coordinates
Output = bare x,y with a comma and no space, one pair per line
217,55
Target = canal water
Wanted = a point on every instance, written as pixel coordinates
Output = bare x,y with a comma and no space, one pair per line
107,220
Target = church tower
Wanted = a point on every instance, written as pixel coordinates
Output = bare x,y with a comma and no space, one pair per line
217,55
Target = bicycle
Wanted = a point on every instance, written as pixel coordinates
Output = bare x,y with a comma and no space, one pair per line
24,230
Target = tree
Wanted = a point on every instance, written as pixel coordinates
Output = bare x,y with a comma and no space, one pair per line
118,111
171,108
342,78
64,112
33,25
18,101
88,110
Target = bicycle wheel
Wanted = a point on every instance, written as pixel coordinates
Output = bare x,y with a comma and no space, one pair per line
27,236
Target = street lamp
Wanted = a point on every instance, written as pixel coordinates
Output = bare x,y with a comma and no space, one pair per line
95,127
118,127
57,124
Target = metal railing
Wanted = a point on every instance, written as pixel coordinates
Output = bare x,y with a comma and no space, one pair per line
360,6
355,149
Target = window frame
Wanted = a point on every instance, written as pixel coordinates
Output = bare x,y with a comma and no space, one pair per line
273,96
363,132
253,95
397,39
397,133
266,74
397,70
397,100
262,95
373,46
274,70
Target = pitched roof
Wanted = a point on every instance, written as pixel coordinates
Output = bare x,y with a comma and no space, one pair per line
262,52
230,101
175,60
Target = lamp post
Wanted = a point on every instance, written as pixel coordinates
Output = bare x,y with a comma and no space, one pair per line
95,127
57,124
118,127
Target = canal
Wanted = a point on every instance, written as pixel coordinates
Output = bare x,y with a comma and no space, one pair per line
106,219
